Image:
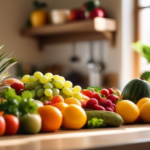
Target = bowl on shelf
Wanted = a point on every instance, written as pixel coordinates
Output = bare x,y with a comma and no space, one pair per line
59,16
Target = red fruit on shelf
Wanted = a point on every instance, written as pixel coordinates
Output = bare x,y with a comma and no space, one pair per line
96,12
113,98
110,91
97,96
87,93
73,16
104,92
98,107
91,102
17,86
105,103
80,15
108,109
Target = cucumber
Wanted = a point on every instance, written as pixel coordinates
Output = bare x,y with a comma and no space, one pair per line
110,118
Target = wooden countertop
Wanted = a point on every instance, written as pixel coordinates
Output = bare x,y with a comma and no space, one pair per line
102,138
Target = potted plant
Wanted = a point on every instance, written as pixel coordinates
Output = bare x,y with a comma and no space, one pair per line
143,50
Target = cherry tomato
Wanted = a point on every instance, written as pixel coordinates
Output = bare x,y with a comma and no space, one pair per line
12,124
110,91
2,124
87,93
105,92
57,99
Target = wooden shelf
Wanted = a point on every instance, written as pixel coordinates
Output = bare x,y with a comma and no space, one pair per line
120,138
87,30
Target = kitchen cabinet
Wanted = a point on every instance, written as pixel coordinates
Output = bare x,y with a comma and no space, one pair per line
86,30
120,138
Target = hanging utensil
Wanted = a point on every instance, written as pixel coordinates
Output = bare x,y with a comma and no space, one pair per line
74,58
91,62
100,66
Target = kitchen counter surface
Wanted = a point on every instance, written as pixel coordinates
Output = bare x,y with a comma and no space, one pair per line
124,137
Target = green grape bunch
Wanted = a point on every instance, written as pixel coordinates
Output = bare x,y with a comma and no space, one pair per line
45,87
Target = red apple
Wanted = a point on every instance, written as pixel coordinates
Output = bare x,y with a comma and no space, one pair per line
96,12
73,16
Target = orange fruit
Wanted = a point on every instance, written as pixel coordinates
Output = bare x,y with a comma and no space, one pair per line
127,110
74,117
145,112
142,101
57,99
72,100
51,118
60,105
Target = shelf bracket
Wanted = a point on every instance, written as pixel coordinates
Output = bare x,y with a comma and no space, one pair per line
111,37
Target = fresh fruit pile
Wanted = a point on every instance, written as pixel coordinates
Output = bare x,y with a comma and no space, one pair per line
104,100
62,105
45,87
88,10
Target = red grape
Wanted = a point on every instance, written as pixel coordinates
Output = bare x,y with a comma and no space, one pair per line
91,102
105,103
98,107
113,108
108,109
83,104
113,98
105,92
97,96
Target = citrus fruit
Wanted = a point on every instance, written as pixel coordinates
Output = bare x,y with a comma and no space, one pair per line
142,101
57,99
72,101
74,117
60,105
145,112
51,118
127,110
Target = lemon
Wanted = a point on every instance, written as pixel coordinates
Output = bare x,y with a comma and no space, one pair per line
127,110
74,117
145,112
142,101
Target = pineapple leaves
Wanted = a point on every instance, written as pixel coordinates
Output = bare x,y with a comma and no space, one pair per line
1,47
5,63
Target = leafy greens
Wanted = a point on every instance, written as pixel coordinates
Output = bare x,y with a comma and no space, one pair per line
18,105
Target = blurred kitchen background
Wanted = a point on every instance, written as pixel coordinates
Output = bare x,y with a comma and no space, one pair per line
95,63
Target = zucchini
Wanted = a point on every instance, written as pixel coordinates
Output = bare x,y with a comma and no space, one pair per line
110,118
